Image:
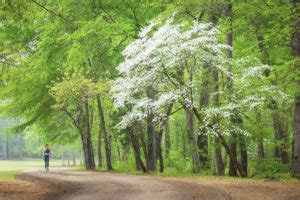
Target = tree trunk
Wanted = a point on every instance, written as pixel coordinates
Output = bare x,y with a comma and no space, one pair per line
136,150
144,147
163,127
260,139
218,156
3,149
73,158
224,143
90,162
159,150
193,146
126,149
63,156
284,143
184,150
233,149
233,136
279,134
83,141
118,150
151,146
243,155
202,143
68,159
260,148
7,156
102,126
202,139
235,161
220,167
151,143
167,139
296,139
20,146
99,150
296,63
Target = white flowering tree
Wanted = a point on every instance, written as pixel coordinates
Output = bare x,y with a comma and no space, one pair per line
169,59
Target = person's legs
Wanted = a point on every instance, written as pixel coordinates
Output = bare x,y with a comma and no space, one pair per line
46,163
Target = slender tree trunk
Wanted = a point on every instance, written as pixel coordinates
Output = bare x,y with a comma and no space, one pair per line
144,147
159,150
20,145
235,161
7,156
285,158
193,145
218,153
99,144
163,127
118,150
243,154
125,152
83,141
202,143
151,165
63,156
3,149
99,150
136,150
167,139
218,156
202,139
73,158
184,150
260,138
233,135
103,128
281,137
109,140
279,134
233,149
260,148
151,143
177,136
68,155
89,146
296,62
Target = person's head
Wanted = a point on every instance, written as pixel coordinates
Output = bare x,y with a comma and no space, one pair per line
46,145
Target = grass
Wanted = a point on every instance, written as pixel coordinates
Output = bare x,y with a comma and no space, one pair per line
204,175
10,168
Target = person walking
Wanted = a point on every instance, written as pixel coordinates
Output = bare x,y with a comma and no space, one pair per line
46,157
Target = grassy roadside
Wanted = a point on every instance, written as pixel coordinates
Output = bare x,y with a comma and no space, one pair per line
10,168
204,175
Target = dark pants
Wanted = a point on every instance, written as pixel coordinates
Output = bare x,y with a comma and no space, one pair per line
46,158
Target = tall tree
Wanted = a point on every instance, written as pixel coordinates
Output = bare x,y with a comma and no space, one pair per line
296,63
105,136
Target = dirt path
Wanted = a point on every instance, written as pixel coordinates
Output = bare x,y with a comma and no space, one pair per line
112,186
67,185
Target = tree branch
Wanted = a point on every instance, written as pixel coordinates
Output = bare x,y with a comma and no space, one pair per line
52,12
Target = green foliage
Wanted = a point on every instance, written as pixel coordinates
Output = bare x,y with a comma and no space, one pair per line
56,55
270,168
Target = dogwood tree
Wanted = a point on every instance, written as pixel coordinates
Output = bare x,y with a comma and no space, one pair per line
166,61
170,58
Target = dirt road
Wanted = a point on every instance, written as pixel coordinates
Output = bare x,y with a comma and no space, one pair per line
67,185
